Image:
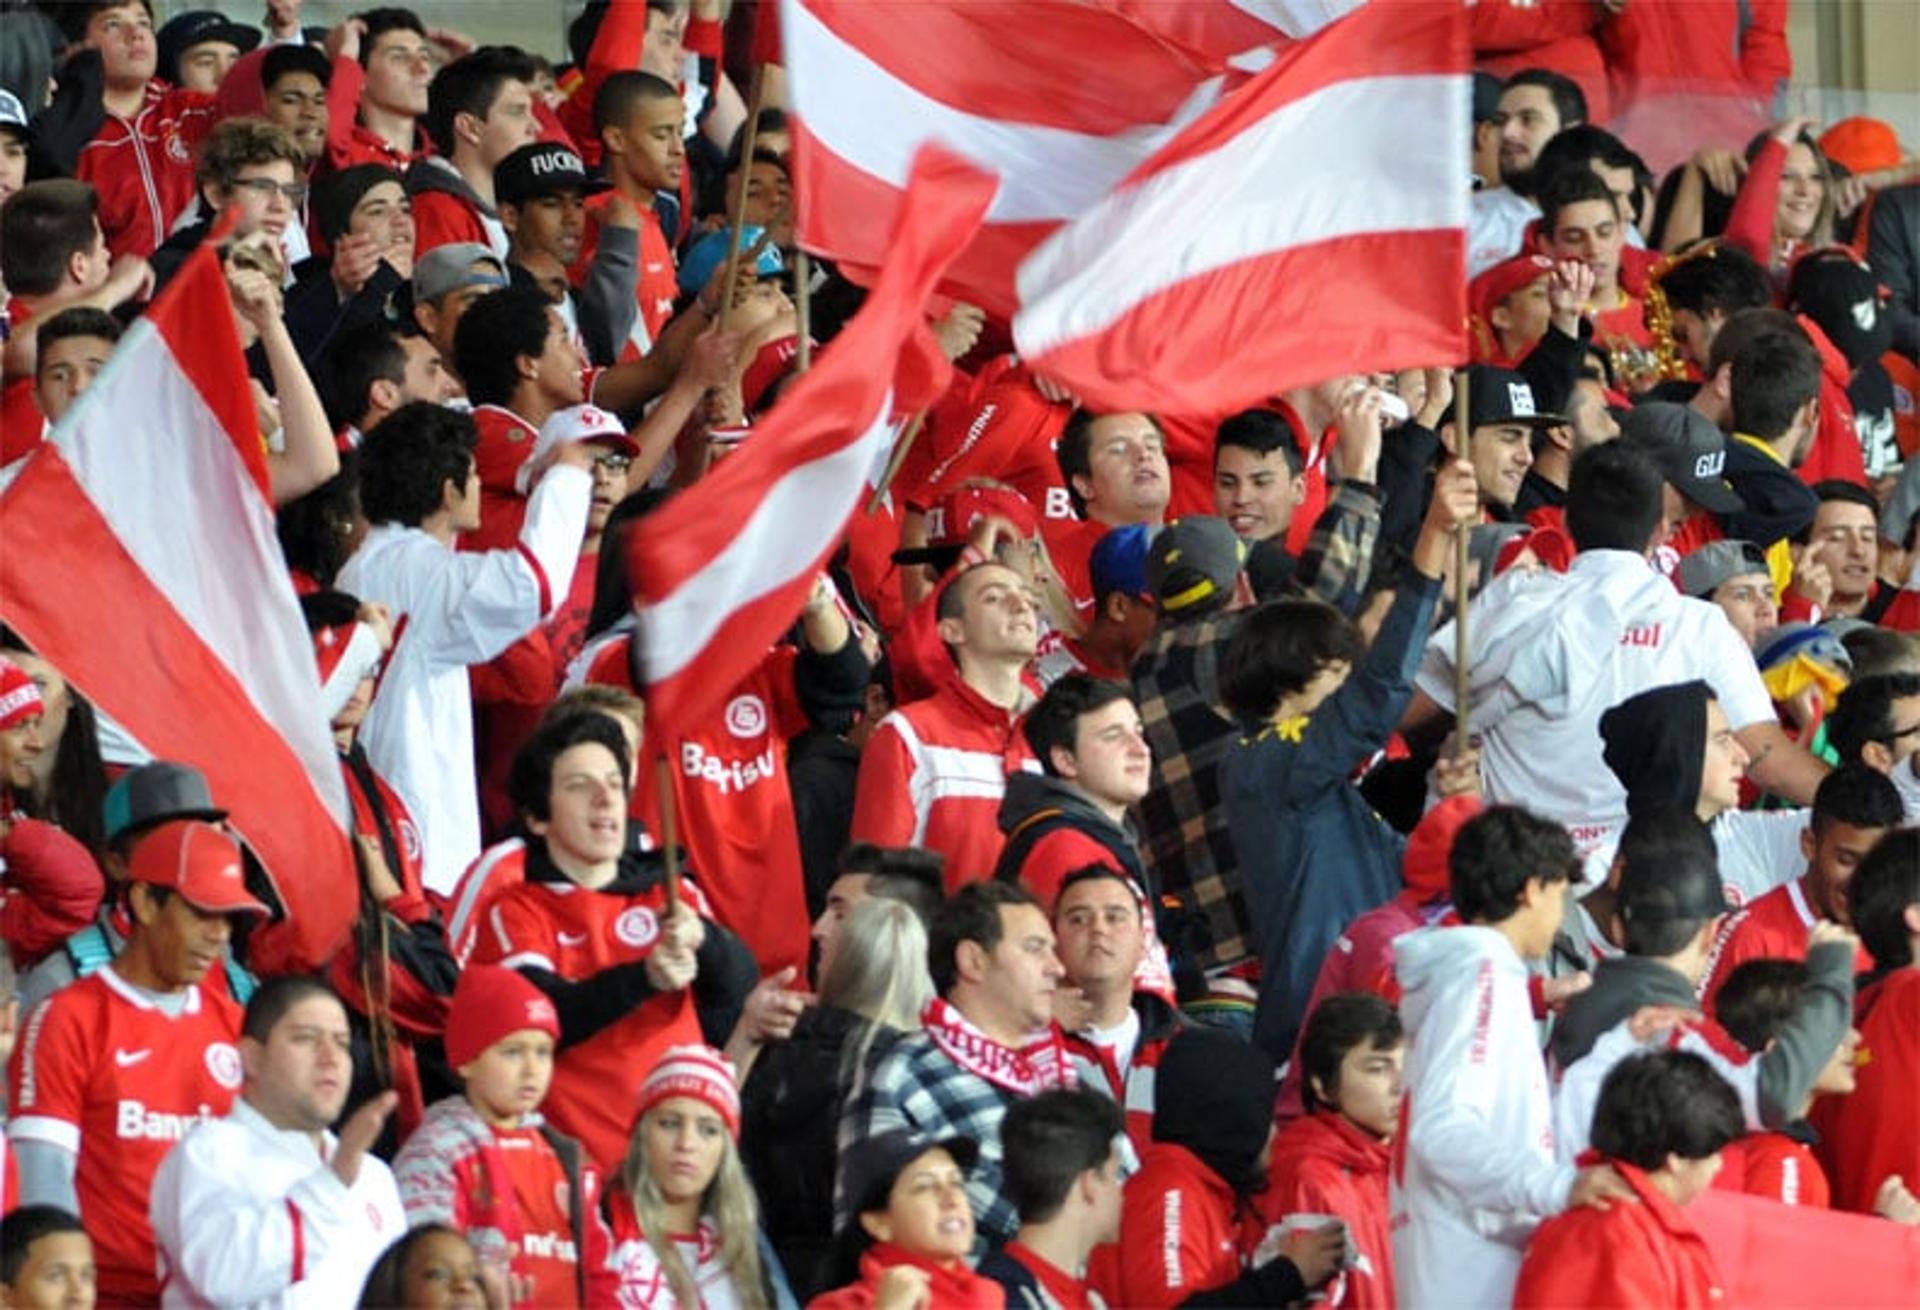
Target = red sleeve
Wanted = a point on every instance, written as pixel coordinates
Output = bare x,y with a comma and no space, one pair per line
603,1283
511,932
440,220
1835,452
616,48
50,1073
1059,853
1739,943
883,795
522,674
1765,57
343,108
705,37
22,425
1501,27
1169,1248
52,889
1750,225
1781,1171
551,127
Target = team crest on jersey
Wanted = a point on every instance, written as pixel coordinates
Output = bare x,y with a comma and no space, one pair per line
636,927
177,149
746,716
410,839
223,1062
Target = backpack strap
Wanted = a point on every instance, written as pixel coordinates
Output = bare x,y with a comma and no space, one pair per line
88,950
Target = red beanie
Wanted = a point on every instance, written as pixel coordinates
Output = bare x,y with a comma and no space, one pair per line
490,1003
19,695
697,1071
1424,867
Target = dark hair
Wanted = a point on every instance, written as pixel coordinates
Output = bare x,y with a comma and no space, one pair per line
470,85
1721,278
381,21
1261,431
409,457
1337,1025
354,362
1496,852
76,789
1074,451
237,143
1824,490
1582,145
1883,886
1664,1103
1569,101
1880,652
971,914
26,1225
1048,1141
329,609
1774,376
74,16
275,996
772,119
42,226
283,59
1859,796
76,321
1278,649
625,91
385,1287
1742,328
1758,998
493,334
314,529
1865,713
530,777
1094,873
1572,187
1614,498
908,874
1055,720
1664,839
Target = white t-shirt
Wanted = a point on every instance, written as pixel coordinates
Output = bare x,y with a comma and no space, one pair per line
1497,222
1118,1042
1758,849
1550,653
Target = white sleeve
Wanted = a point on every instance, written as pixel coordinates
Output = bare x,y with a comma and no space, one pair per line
1760,849
1735,678
1456,1127
497,597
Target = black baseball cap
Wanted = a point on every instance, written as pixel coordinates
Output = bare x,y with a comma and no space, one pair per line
1500,395
185,31
869,1167
1486,98
1690,450
542,169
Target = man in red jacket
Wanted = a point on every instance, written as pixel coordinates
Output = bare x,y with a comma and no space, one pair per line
479,111
1334,1161
381,67
1662,1121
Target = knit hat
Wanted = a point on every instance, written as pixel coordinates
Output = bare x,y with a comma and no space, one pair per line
490,1003
1424,865
336,194
19,695
697,1071
1213,1094
1656,744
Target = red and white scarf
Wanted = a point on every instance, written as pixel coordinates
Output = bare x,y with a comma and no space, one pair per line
1025,1071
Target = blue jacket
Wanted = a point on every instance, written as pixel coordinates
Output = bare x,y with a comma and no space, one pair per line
1313,854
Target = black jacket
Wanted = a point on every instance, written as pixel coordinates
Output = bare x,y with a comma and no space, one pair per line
1036,805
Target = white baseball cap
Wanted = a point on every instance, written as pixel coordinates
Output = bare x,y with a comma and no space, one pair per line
575,423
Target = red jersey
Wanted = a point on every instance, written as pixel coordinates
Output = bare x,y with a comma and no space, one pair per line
104,1073
1323,1164
657,285
997,425
547,1253
504,445
1774,927
349,143
142,167
1639,1255
1875,1133
1181,1231
1070,544
1779,1166
577,933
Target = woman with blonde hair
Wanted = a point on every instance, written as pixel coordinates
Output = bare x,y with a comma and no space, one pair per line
686,1227
875,986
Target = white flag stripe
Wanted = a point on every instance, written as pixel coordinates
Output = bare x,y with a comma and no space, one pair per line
1356,157
875,122
799,518
177,505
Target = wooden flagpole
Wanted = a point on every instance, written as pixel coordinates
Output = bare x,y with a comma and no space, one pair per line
739,215
669,834
1462,434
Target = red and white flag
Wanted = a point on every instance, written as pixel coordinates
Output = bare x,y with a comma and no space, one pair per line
1312,224
1242,34
141,561
722,569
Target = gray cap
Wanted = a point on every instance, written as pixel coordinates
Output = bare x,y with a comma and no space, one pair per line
1193,563
1702,572
160,790
1690,450
451,267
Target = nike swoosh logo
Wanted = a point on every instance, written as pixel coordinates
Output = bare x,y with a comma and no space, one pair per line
127,1059
573,939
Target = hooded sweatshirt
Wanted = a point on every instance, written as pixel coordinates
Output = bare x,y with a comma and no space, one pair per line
1325,1164
446,209
1474,1172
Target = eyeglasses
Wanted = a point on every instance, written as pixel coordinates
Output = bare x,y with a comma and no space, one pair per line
267,188
614,464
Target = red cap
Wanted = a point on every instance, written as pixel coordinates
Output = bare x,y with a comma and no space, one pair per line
1424,866
490,1003
1502,280
19,695
1864,145
198,861
950,522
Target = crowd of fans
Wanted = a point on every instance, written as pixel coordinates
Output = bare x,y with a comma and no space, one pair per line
1092,899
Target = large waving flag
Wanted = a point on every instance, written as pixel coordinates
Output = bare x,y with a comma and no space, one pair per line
1312,224
141,561
721,570
1244,34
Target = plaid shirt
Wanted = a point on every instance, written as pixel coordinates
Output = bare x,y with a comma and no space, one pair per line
916,1085
1176,680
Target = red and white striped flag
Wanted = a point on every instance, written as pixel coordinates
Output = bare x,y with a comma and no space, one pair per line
1312,224
723,569
1242,34
141,561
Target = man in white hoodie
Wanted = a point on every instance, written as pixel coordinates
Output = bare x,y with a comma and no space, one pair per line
1474,1172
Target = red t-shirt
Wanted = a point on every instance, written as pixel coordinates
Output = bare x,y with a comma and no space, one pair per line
1774,927
1873,1134
658,283
103,1073
547,1254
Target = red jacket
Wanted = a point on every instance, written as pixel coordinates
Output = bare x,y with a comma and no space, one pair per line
51,888
143,167
1733,48
1627,1255
1182,1230
1323,1164
1875,1133
1779,1166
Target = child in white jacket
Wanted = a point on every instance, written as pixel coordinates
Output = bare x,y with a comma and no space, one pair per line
1475,1171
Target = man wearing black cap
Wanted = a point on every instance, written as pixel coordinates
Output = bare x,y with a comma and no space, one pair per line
540,191
199,46
1671,905
1501,421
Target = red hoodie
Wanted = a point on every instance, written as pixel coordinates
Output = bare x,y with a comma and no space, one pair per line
1324,1164
1639,1255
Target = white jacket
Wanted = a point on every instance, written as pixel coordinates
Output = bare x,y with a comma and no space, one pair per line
245,1214
458,609
1474,1172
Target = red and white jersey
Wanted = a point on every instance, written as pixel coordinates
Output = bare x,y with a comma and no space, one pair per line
1774,927
933,774
656,285
643,1283
103,1072
505,443
548,1254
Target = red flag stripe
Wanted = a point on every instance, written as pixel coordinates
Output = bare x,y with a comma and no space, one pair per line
1235,33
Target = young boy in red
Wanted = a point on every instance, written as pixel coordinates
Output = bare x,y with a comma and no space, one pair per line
486,1163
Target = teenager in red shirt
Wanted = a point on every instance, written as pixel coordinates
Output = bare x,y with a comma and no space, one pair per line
1064,1170
1662,1121
382,65
115,1068
479,111
1115,466
1580,219
1334,1161
640,121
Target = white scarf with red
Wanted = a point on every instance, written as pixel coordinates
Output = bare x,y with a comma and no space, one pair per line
1025,1071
